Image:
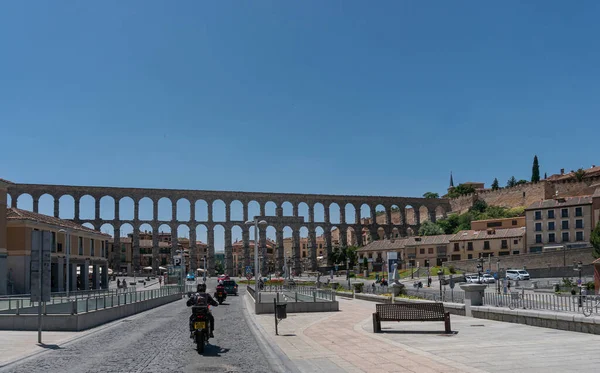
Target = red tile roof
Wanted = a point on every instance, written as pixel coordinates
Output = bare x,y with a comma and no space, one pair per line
469,235
560,202
15,214
590,172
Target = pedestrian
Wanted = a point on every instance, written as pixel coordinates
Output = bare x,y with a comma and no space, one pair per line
429,282
508,285
159,280
118,284
373,286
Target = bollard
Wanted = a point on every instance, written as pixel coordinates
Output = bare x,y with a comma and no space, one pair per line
17,306
314,296
87,304
296,296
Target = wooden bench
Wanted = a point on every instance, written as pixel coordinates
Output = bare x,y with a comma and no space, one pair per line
410,312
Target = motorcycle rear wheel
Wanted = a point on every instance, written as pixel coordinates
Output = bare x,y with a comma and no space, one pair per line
200,338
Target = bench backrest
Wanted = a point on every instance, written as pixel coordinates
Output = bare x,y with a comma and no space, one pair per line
410,311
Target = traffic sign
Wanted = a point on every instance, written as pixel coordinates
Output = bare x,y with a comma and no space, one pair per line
248,269
249,276
177,260
40,268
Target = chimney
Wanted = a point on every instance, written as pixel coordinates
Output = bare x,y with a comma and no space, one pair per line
562,171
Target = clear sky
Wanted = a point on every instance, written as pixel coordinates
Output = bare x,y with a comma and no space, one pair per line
341,97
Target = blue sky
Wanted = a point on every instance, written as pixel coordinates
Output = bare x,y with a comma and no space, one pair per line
342,97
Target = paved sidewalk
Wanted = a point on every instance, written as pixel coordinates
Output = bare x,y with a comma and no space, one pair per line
344,342
15,345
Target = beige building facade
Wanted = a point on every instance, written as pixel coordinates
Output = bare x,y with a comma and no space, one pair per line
505,223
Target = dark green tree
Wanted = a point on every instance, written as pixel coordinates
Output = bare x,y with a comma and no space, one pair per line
511,182
545,176
579,174
595,241
495,185
535,171
365,264
522,181
431,195
429,228
461,190
479,206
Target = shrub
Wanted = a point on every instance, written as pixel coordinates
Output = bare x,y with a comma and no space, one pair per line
451,269
358,287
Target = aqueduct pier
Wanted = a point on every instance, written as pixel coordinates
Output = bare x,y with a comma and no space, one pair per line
401,226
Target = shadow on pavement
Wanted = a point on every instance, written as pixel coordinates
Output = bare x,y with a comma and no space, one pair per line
388,331
50,347
214,350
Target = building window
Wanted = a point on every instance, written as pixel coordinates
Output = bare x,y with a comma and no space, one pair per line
503,253
514,222
430,250
551,237
470,256
303,255
494,224
486,245
565,224
535,249
538,238
470,246
538,215
564,213
550,214
578,211
80,250
538,227
504,244
370,257
516,252
579,223
456,248
565,237
578,236
515,242
551,226
92,248
421,251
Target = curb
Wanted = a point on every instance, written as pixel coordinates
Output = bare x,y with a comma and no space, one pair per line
278,360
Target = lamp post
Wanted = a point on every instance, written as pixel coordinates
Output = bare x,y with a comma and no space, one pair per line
498,275
204,267
578,267
428,274
255,222
68,250
441,278
479,269
348,271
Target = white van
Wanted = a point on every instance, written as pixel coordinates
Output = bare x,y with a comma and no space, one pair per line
517,274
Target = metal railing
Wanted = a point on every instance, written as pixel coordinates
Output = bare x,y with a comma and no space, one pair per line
81,303
545,302
294,294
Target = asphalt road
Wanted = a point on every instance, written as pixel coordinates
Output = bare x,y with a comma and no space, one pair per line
158,341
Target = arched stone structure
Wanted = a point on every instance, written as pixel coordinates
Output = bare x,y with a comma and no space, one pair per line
279,221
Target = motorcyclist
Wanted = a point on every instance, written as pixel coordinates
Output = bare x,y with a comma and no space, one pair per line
220,287
202,298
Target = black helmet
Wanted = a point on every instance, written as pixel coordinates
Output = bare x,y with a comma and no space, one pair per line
201,288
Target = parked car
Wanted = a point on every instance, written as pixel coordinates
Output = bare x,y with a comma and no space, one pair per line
517,274
487,279
472,279
230,287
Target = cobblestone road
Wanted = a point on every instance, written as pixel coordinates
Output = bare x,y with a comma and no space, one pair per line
158,341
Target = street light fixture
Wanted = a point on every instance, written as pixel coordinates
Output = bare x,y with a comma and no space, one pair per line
441,278
68,250
256,222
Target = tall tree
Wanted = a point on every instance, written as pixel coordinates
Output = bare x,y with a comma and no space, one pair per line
511,182
495,185
535,171
431,195
545,176
429,228
595,241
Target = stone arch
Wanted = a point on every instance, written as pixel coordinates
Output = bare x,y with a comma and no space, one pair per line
183,231
9,201
253,209
107,208
423,214
183,210
24,202
89,225
146,228
303,233
396,215
321,245
106,228
218,210
395,232
335,236
409,215
381,214
440,212
202,236
236,208
146,245
66,207
87,207
303,210
219,236
126,208
365,214
270,208
334,213
318,212
350,214
381,234
271,232
125,229
146,209
201,210
288,208
410,232
46,204
236,233
165,209
351,239
366,236
164,228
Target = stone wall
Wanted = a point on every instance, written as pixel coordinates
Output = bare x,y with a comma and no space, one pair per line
462,203
541,260
575,188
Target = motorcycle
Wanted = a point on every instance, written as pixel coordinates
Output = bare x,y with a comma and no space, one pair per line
221,296
201,327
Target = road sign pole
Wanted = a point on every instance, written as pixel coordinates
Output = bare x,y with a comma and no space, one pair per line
40,293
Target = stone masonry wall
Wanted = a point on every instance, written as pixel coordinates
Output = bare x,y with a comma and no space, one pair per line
545,260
